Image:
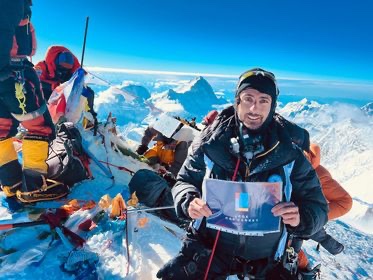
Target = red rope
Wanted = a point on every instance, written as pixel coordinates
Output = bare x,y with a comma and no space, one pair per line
119,167
85,160
212,254
236,170
218,232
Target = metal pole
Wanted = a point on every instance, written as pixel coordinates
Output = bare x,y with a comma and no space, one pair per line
149,209
85,39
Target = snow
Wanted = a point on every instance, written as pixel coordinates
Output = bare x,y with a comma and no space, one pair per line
345,134
368,108
344,131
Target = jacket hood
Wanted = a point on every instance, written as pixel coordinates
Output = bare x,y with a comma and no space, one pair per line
51,56
298,135
217,137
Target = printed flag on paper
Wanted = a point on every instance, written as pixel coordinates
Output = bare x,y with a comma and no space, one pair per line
242,208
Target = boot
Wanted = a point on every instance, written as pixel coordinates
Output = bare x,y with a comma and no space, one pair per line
189,264
11,191
328,242
10,169
37,188
310,274
332,245
180,268
35,155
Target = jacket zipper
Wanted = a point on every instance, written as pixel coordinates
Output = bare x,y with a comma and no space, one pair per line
247,173
243,239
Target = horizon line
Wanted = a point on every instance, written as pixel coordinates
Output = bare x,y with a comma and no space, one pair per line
196,74
158,72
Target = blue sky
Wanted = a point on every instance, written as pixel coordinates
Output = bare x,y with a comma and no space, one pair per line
304,39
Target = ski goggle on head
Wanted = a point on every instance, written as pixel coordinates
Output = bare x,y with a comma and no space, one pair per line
259,79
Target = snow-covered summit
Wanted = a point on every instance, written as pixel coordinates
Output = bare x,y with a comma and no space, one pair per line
308,114
197,97
303,107
197,84
368,108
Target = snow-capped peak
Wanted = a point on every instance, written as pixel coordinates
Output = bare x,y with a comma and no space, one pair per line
197,83
293,109
196,97
368,108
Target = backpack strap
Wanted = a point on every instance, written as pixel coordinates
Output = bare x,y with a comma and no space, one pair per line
288,168
209,165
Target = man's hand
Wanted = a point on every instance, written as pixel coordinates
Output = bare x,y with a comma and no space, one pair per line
289,213
198,209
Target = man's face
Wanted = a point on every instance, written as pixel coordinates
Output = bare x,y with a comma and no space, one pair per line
62,74
254,108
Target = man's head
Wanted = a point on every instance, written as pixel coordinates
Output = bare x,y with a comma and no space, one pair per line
64,64
256,98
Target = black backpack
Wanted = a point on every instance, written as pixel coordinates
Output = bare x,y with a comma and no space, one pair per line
154,191
64,163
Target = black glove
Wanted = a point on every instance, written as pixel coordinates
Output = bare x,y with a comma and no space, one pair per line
178,268
141,149
189,264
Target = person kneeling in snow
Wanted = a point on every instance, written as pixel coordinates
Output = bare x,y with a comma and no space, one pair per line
153,189
167,155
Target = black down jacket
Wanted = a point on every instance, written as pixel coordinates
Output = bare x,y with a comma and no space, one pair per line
214,142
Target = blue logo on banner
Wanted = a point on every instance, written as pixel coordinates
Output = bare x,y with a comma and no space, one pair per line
242,201
274,178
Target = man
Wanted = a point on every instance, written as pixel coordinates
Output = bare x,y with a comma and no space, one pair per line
245,141
21,101
57,67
